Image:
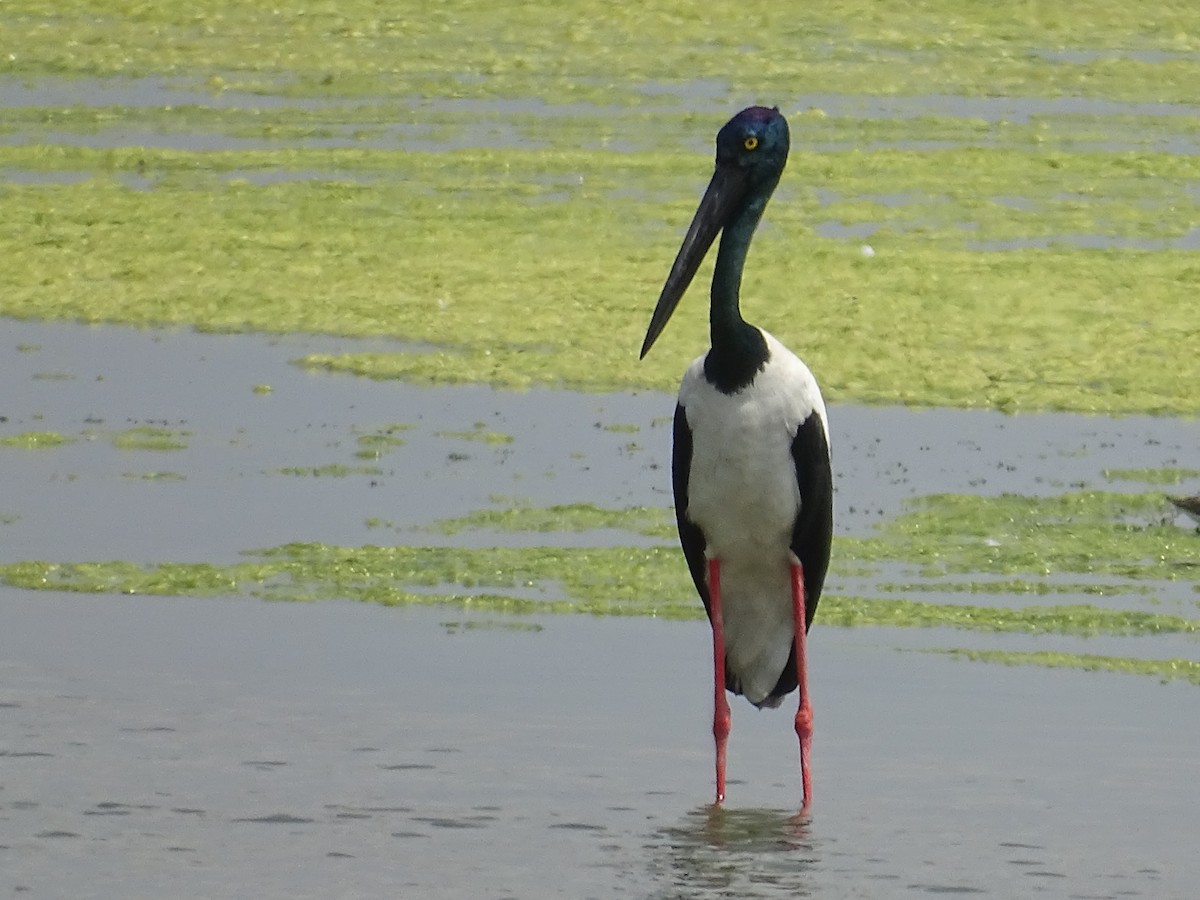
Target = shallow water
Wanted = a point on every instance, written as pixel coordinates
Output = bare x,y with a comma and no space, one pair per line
703,96
88,500
228,747
454,123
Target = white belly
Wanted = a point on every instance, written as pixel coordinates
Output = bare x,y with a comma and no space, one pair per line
743,494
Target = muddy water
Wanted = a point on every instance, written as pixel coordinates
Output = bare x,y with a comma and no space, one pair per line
229,748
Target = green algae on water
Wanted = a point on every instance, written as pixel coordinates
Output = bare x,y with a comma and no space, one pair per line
332,470
333,256
945,533
1166,475
1079,619
1008,586
1094,532
556,163
596,581
148,437
35,440
479,50
575,517
963,536
373,446
479,433
168,579
1163,669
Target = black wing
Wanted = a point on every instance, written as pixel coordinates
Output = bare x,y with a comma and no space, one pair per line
691,538
812,533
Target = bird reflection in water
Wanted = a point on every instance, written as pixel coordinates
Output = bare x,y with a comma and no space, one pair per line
755,853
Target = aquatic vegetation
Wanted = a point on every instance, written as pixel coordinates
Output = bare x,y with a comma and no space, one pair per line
479,433
576,517
1169,475
149,437
1075,619
192,579
332,470
375,444
473,49
580,210
948,533
330,255
35,440
1008,587
653,580
596,581
1163,669
1093,532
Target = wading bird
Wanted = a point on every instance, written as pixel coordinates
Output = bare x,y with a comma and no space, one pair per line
1189,505
750,464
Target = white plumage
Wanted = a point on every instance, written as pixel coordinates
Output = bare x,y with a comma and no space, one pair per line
743,494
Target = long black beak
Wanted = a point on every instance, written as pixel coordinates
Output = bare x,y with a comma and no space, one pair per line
725,192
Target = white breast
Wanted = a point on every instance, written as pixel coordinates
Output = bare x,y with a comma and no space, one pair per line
743,494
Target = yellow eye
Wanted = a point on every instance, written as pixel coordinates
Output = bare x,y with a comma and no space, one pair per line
750,143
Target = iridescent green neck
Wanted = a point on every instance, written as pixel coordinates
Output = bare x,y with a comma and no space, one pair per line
738,348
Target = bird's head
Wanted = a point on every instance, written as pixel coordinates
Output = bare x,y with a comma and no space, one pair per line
752,149
756,142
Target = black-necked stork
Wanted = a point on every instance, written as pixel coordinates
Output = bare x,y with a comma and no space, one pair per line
750,466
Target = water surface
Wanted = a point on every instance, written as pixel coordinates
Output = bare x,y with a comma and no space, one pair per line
229,748
225,747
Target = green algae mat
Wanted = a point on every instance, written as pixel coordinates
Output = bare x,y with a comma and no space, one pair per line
984,207
1117,551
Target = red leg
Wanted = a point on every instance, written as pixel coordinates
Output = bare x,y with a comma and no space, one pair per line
804,725
721,718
